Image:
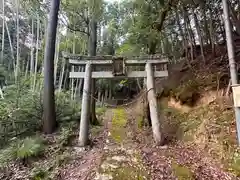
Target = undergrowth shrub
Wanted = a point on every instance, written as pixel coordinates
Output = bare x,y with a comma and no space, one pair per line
100,112
67,109
21,111
22,150
29,147
65,136
187,93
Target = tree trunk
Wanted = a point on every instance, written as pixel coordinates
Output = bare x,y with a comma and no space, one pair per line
102,100
3,30
18,60
77,85
65,79
180,30
32,57
207,33
60,85
139,84
57,58
10,43
212,33
49,114
222,29
80,82
189,27
231,57
73,68
1,93
110,93
186,26
26,70
99,95
199,36
92,52
235,20
62,81
32,49
36,58
106,94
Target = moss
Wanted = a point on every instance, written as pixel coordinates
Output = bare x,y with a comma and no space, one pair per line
140,122
130,167
128,173
182,172
39,174
119,121
234,163
100,111
96,130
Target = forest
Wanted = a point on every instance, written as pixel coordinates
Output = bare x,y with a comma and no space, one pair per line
40,106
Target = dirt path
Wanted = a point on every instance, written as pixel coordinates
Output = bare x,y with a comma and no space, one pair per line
124,151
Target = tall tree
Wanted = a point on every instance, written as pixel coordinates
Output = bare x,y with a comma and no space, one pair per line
95,8
18,32
231,57
3,29
49,114
92,52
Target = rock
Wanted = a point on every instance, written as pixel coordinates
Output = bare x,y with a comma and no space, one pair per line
103,177
106,165
80,149
119,158
163,147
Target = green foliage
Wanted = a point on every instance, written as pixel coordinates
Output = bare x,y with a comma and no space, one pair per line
119,121
140,121
8,154
182,172
22,150
100,111
66,108
235,163
66,134
49,169
29,147
38,174
123,82
21,111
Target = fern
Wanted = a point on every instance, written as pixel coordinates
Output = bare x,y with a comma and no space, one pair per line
7,154
65,137
39,174
22,150
29,147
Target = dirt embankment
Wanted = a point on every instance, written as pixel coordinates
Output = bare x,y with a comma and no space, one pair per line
198,109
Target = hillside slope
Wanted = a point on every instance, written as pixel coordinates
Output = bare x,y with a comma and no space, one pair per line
198,109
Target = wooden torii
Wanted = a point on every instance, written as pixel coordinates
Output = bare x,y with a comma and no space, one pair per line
118,66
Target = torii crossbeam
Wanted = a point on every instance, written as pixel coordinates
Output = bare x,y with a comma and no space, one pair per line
118,66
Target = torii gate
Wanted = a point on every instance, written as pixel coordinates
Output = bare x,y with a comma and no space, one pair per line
118,66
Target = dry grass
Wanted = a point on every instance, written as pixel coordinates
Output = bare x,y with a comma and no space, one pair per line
211,127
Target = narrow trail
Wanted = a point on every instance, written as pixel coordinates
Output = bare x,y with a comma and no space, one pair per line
123,151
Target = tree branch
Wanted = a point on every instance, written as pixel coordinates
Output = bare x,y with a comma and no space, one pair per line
75,29
171,4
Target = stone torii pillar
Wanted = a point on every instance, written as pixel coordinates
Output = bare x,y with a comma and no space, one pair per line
153,105
149,74
85,111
